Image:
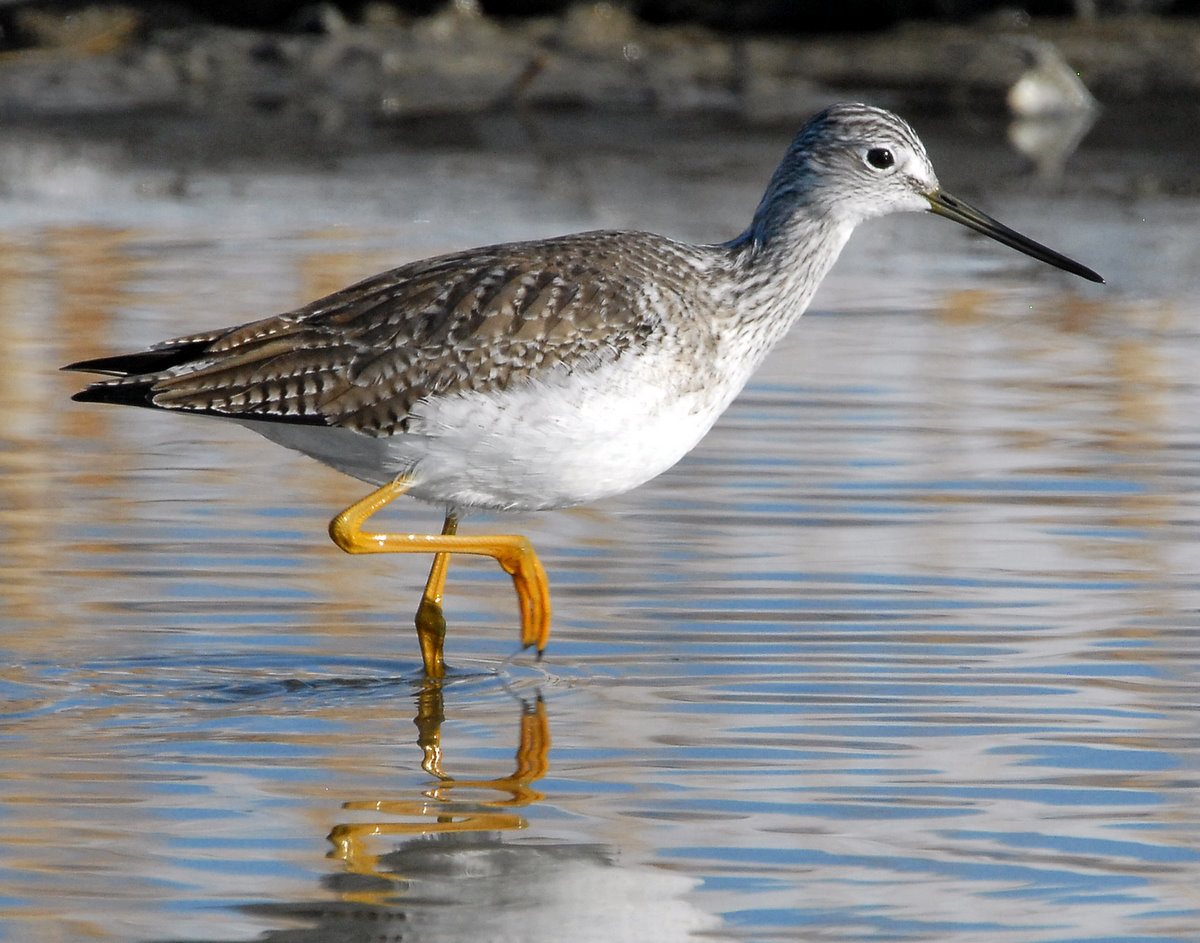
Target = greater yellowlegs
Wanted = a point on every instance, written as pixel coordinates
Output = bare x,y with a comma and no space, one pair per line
542,374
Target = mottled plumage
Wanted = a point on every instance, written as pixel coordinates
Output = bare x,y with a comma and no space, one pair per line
542,374
361,357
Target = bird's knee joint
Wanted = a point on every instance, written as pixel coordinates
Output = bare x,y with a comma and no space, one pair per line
341,533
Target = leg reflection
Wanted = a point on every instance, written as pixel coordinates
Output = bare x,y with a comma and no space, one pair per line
439,809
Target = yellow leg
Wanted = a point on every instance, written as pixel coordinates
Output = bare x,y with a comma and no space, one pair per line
431,624
514,553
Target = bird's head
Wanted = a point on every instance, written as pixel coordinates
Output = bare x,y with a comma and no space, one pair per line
853,162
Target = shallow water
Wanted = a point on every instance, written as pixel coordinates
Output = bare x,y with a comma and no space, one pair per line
905,650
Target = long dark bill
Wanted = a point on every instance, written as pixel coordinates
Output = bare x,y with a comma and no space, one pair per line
943,204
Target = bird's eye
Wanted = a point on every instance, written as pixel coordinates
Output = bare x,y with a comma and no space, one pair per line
880,158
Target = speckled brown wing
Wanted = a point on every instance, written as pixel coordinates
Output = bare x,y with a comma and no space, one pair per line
361,357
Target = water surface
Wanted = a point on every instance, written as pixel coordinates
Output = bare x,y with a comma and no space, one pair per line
905,650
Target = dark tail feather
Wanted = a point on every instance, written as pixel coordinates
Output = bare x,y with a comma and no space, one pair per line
121,394
154,360
136,380
143,363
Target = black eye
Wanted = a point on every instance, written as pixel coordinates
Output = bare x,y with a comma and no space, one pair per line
880,158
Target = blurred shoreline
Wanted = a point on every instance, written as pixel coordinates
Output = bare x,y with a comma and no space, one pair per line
336,74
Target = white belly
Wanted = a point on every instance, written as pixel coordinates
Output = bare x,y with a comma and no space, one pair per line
563,440
556,443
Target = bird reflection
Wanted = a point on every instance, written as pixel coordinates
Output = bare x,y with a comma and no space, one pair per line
451,887
455,873
449,804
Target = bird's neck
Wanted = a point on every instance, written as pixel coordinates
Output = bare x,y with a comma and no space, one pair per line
777,264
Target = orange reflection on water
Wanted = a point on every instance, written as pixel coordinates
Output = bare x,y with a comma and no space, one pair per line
60,290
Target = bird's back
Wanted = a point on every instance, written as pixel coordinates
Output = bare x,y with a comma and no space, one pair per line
481,320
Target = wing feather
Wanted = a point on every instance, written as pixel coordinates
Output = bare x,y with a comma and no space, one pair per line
362,357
